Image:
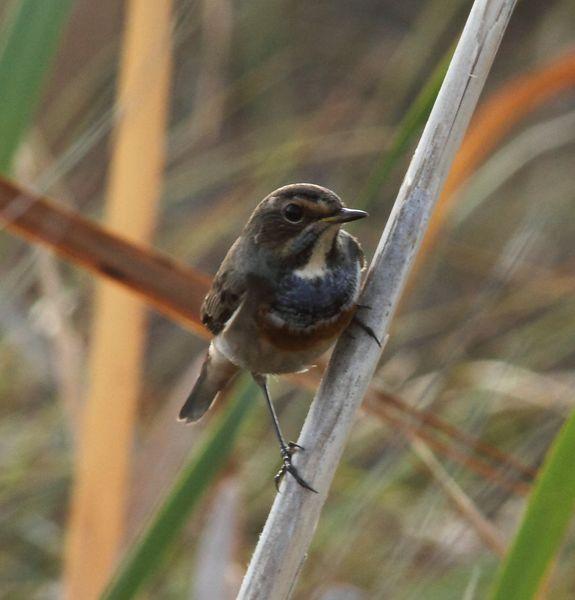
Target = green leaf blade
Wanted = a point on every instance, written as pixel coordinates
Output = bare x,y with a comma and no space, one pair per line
149,552
544,524
28,45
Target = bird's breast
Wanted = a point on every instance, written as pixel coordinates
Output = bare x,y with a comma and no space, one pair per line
309,311
301,301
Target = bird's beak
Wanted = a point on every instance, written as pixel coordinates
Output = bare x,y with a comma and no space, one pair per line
345,215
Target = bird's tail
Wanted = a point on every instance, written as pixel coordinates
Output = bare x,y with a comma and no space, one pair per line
217,371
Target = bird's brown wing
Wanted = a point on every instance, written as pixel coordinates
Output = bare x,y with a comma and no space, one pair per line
226,293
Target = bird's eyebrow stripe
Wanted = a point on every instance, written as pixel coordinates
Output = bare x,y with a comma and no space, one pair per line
312,202
317,206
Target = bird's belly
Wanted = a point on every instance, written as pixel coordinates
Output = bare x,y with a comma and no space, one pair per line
263,351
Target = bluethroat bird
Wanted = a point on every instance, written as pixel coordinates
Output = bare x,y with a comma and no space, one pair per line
285,291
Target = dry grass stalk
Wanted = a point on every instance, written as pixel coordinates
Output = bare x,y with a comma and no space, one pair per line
487,461
503,110
288,532
169,286
485,530
215,576
506,472
102,473
68,350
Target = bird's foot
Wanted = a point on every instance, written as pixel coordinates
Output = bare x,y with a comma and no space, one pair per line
292,448
287,452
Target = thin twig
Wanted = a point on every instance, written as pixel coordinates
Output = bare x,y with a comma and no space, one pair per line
485,460
471,443
288,532
485,530
512,482
68,354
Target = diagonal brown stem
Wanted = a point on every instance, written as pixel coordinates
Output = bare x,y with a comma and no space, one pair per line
164,283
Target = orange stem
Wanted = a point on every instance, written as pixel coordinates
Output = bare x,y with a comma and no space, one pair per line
495,119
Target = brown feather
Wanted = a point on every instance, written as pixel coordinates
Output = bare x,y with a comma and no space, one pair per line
286,338
226,293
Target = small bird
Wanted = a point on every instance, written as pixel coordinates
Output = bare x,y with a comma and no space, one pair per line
285,291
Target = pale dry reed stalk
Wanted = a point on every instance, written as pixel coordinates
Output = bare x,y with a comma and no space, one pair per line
288,532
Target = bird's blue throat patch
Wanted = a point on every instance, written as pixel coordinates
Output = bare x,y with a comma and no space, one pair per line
303,302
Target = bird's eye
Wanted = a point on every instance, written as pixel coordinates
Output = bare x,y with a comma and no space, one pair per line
293,213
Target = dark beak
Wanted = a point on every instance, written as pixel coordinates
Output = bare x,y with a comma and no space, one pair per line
345,215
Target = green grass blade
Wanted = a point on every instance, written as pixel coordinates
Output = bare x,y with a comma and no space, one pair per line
545,523
28,44
410,125
148,553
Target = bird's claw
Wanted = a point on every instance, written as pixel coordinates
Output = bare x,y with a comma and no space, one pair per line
367,329
293,447
287,467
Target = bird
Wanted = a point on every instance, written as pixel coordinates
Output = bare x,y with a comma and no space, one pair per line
285,291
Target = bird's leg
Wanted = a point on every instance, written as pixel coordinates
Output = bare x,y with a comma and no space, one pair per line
287,449
366,328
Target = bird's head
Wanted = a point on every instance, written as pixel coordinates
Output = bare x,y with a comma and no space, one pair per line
298,219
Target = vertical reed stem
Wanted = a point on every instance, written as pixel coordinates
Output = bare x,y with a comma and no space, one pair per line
102,470
282,547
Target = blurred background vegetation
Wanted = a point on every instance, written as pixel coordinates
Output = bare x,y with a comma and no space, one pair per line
479,372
